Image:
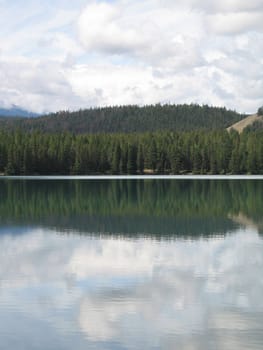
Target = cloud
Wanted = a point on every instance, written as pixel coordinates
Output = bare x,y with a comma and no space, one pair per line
153,35
235,23
99,28
174,41
234,6
213,6
138,52
38,85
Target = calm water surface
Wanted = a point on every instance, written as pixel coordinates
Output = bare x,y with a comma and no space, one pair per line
146,264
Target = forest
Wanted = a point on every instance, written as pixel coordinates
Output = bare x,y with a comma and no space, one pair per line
127,119
193,152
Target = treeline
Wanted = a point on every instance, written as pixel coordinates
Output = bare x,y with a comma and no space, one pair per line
197,152
128,119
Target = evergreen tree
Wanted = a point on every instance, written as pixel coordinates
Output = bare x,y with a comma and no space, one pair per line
132,160
116,159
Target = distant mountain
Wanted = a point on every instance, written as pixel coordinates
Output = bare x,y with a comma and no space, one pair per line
15,111
128,119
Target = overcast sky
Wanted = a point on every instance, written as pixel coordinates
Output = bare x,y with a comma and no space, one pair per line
65,54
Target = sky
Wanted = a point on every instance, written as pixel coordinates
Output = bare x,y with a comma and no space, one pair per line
64,54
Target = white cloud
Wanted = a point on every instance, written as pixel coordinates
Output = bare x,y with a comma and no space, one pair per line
230,5
213,6
135,52
235,23
38,85
175,41
99,29
153,35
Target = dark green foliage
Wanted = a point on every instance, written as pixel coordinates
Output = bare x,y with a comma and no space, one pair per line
260,111
198,152
132,159
128,119
116,159
257,125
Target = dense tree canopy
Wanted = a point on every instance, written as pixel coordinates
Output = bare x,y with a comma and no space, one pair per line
260,111
197,152
257,125
128,119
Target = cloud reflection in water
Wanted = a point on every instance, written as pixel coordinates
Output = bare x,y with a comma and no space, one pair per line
120,293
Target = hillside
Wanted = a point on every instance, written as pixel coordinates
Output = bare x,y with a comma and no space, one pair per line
128,119
246,122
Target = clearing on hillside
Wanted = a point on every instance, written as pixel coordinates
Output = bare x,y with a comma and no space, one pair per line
242,124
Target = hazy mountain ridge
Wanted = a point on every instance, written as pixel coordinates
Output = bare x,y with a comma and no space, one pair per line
15,111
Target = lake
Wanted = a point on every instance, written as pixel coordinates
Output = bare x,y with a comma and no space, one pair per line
131,264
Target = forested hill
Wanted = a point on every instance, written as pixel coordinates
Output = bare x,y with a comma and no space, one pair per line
128,119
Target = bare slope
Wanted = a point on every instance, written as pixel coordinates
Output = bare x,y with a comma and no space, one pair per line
242,124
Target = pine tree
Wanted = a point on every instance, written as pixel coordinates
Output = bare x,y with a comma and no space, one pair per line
132,160
116,159
140,160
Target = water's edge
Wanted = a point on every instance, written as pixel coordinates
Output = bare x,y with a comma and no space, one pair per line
136,177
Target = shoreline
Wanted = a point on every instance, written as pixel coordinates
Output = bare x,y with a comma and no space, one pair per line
133,177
